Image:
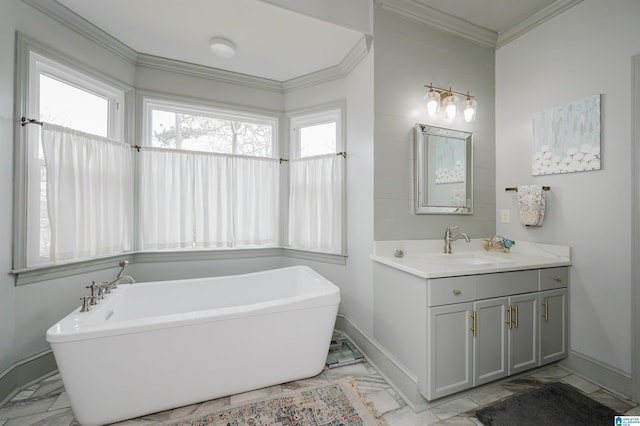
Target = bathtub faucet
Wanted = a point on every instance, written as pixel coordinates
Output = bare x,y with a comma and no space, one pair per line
108,286
122,264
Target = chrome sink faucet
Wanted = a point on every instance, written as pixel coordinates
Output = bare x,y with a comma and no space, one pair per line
448,238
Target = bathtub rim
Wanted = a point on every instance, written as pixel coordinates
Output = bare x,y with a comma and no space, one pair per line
69,328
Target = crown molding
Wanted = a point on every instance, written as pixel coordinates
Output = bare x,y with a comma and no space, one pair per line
81,26
535,20
348,63
414,11
202,71
86,29
421,14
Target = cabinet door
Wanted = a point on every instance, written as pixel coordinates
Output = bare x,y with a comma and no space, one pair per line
523,332
490,341
449,350
553,325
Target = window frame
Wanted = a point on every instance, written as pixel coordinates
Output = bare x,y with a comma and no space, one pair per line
150,102
309,117
314,118
32,58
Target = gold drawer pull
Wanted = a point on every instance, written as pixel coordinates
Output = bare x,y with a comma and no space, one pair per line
546,309
457,292
474,317
557,279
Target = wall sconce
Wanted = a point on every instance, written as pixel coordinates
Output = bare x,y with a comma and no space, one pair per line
437,98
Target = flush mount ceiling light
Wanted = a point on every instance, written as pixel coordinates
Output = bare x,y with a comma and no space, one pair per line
222,47
450,102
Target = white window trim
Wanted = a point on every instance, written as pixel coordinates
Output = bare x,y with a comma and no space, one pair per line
325,115
151,101
312,116
31,58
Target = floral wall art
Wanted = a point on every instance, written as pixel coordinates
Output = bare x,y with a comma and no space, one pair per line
566,138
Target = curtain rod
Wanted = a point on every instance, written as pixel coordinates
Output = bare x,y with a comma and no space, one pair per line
24,121
513,188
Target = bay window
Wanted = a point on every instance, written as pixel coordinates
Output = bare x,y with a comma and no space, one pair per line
200,176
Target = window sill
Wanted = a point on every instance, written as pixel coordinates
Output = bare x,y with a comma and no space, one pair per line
49,272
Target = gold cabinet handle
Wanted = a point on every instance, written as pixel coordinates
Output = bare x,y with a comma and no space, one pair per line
557,279
508,322
457,292
546,309
473,326
516,321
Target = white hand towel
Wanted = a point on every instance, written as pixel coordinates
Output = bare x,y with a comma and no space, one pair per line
531,204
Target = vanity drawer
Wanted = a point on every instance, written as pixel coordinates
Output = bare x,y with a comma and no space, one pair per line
551,278
444,291
506,283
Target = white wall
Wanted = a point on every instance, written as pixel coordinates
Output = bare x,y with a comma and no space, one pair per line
586,50
408,56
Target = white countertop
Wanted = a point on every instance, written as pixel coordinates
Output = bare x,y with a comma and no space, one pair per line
425,258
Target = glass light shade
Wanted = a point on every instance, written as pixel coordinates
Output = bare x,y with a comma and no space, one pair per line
450,105
470,109
433,102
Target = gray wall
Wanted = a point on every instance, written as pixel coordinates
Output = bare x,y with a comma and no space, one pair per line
20,340
408,56
27,311
558,62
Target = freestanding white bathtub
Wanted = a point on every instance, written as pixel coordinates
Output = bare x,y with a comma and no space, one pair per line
153,346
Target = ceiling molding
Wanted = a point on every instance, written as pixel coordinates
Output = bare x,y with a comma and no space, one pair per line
171,65
81,26
86,29
348,63
419,13
414,11
535,20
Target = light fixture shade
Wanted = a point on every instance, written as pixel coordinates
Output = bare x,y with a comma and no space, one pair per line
432,99
470,109
222,47
450,106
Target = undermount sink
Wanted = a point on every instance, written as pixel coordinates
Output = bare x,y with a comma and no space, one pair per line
473,259
470,259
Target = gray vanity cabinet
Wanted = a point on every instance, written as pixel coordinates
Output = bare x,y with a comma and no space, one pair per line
490,355
523,333
449,350
474,329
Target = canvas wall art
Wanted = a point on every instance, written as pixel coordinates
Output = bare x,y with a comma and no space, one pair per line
566,138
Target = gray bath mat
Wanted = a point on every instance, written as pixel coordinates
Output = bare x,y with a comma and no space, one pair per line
552,404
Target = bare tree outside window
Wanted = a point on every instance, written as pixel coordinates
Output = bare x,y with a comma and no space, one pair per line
211,134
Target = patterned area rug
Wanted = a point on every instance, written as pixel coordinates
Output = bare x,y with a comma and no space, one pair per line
552,404
337,403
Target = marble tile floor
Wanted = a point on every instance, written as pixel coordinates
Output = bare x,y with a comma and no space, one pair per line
46,403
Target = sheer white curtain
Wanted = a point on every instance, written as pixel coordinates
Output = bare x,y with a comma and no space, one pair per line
315,203
89,189
200,200
166,198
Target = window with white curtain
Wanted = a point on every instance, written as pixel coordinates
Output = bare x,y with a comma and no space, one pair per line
316,182
79,177
208,178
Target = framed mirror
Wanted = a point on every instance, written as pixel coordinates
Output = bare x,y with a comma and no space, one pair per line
444,171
